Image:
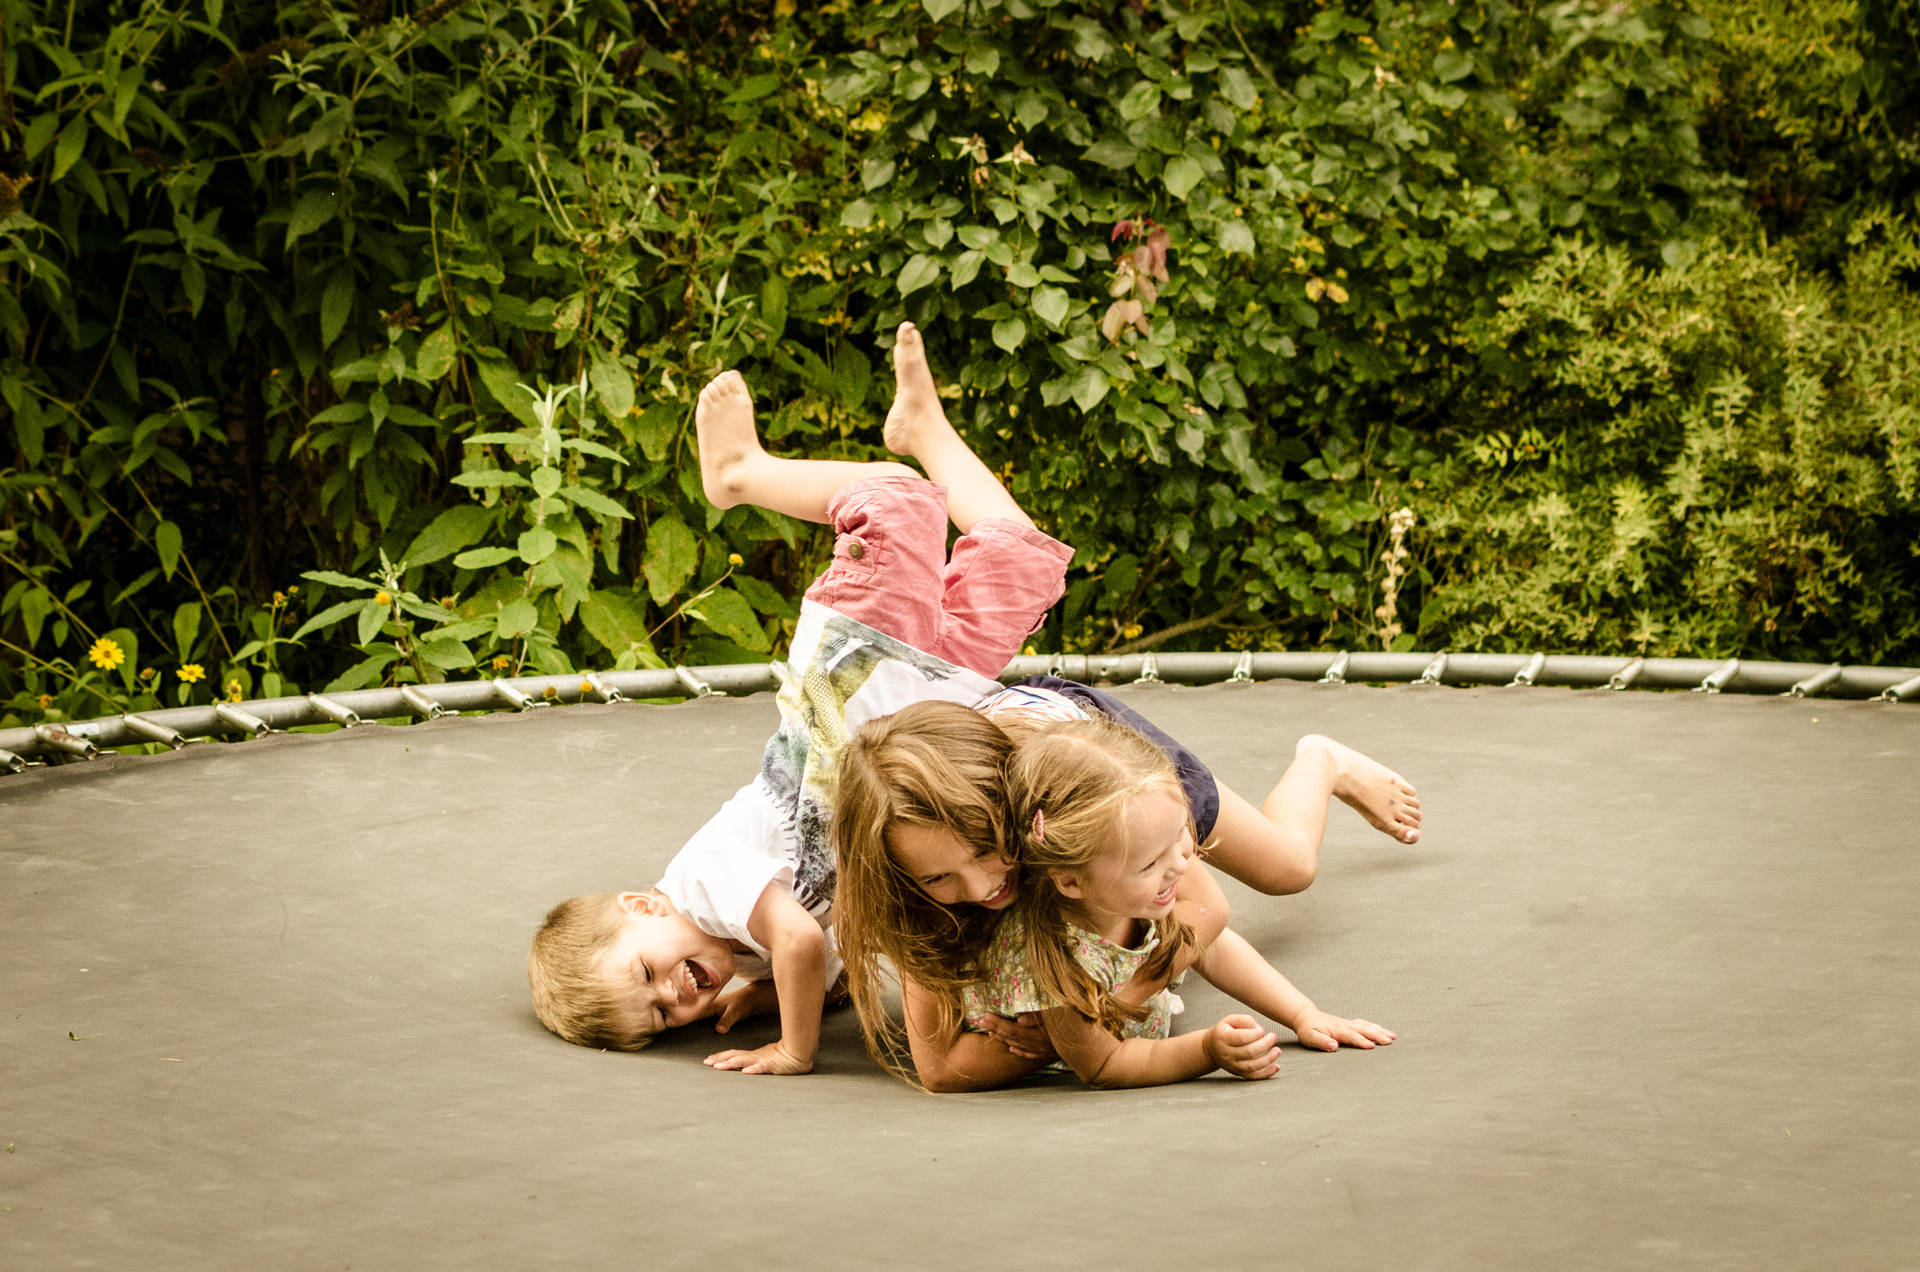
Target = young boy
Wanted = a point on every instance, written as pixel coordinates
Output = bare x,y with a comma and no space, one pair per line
892,620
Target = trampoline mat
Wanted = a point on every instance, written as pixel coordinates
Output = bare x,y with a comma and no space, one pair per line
265,1005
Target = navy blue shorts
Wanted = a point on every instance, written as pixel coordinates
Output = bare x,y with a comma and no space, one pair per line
1203,793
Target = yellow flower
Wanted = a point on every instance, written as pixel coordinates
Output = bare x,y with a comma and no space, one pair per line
734,558
1130,631
586,687
233,691
501,662
279,598
106,654
46,701
383,597
192,673
148,673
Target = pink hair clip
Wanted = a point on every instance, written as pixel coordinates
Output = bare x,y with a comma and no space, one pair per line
1039,825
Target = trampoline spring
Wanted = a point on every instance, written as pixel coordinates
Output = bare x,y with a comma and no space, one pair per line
1815,683
342,716
1625,677
243,720
696,686
1527,674
1337,670
60,740
153,732
1902,691
1149,671
12,763
420,704
1243,669
1057,667
1718,680
1435,670
512,696
591,680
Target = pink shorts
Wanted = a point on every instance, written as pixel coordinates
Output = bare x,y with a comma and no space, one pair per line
891,571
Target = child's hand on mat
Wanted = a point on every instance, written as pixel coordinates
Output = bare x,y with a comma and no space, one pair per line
758,998
1240,1046
1323,1032
772,1058
1023,1035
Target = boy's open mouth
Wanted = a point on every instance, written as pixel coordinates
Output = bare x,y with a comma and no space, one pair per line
702,978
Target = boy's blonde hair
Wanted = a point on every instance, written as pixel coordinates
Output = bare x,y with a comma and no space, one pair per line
930,764
1083,776
571,993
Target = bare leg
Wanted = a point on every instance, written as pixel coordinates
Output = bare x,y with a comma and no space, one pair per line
735,470
1276,848
917,427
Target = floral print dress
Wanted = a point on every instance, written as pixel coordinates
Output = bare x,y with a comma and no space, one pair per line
1009,987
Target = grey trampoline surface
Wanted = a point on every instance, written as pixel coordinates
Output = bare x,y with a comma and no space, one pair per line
1652,968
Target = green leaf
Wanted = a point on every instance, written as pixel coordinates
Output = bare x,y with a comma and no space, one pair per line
546,480
314,210
72,141
167,541
372,615
186,628
366,674
595,502
1089,387
920,271
328,617
1181,176
1009,334
336,304
516,619
773,305
334,579
1051,304
489,479
729,615
436,354
966,267
483,558
1236,236
1111,154
448,533
670,556
1451,64
615,620
537,544
939,10
612,384
1237,87
1141,100
445,653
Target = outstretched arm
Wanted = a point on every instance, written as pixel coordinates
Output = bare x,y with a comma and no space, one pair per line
1237,1044
963,1061
799,950
1236,969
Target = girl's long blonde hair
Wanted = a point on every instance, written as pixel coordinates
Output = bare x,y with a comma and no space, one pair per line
930,764
1082,777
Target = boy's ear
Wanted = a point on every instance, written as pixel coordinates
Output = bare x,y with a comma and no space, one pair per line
640,902
1067,882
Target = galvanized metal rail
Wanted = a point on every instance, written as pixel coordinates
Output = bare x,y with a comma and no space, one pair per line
176,726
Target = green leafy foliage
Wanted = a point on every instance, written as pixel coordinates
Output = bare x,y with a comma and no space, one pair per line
1216,287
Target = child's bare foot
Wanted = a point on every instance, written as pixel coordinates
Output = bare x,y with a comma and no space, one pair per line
916,420
1370,788
728,442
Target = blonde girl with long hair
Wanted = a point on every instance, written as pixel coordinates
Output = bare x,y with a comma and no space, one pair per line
934,850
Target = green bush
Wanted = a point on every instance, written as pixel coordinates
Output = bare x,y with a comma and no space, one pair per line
1698,460
285,293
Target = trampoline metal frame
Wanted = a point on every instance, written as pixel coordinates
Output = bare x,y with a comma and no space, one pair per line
175,726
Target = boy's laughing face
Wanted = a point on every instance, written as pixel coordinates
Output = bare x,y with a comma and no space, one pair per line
670,970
